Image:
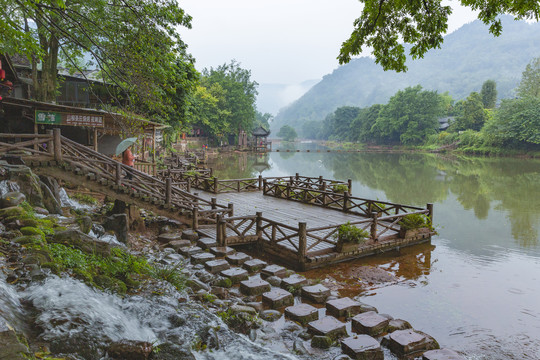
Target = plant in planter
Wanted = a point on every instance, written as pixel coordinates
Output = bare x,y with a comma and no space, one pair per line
414,224
349,236
340,188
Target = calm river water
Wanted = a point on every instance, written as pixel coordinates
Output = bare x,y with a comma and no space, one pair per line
476,288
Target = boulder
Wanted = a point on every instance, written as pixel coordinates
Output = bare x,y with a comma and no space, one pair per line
321,342
12,198
85,224
81,241
28,182
51,194
130,349
10,346
404,342
119,224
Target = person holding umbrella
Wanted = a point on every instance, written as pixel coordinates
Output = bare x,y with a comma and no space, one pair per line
128,158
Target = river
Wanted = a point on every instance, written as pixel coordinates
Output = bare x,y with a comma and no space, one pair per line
476,287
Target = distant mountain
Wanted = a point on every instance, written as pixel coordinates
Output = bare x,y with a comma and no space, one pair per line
273,97
468,57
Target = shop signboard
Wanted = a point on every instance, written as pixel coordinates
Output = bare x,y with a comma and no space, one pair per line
61,118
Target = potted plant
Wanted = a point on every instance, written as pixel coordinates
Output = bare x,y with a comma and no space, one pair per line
413,225
349,236
340,188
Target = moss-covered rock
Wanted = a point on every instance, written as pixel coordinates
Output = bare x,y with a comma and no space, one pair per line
29,240
82,242
12,211
30,230
110,283
13,198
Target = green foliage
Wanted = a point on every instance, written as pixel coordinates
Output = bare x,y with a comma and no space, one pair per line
530,80
348,233
239,322
85,198
414,221
384,24
473,116
287,133
340,188
171,274
489,94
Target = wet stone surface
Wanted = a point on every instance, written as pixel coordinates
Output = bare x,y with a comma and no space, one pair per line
190,234
302,313
168,237
235,274
362,347
238,258
442,354
201,258
191,250
273,270
216,266
343,307
178,244
370,323
316,293
207,243
404,342
254,286
277,298
294,281
327,326
221,251
254,265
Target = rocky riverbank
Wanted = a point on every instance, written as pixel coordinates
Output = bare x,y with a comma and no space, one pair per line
77,283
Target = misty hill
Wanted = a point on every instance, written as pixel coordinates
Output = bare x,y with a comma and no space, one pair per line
468,57
273,97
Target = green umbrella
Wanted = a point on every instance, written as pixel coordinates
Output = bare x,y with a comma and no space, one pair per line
124,144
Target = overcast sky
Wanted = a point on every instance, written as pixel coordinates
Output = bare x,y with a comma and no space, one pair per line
280,41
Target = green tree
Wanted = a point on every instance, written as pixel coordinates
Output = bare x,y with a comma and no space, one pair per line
287,133
530,80
263,119
342,121
208,110
489,94
409,117
361,126
384,23
135,43
474,115
312,129
517,121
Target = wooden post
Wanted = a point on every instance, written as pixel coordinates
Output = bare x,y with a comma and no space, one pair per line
214,203
297,176
260,181
349,184
195,223
324,199
50,144
57,145
374,216
258,225
223,231
230,206
264,187
302,242
36,131
216,183
95,139
238,186
219,234
154,145
188,187
430,214
168,191
288,191
346,197
211,172
118,174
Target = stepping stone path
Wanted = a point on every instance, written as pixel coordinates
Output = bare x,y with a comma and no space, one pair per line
168,237
235,274
403,342
343,307
316,293
238,258
207,243
201,258
302,313
327,326
273,270
442,354
370,323
191,250
254,265
221,251
178,244
216,266
294,281
254,286
277,298
362,347
189,234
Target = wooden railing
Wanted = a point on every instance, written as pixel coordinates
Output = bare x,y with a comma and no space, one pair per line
85,161
203,180
146,167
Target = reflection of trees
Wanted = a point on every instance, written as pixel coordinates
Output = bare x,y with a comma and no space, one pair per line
238,165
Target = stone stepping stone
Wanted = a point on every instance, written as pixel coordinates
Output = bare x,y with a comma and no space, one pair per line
178,244
189,234
343,307
442,354
221,251
277,298
254,286
191,250
207,243
403,342
370,323
273,270
216,266
316,293
362,347
238,258
302,313
201,258
327,326
295,281
254,265
235,274
168,237
398,324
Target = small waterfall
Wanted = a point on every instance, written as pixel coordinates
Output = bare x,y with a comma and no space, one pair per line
8,186
11,310
66,201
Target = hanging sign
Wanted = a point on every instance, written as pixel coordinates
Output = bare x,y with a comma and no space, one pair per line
60,118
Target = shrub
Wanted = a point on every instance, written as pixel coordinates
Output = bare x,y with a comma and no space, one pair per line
340,188
348,233
415,221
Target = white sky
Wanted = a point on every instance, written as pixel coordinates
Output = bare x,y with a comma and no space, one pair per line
280,41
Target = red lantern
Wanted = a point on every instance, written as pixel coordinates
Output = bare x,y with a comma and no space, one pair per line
2,74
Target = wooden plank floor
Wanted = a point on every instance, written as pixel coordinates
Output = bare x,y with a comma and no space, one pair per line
283,211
